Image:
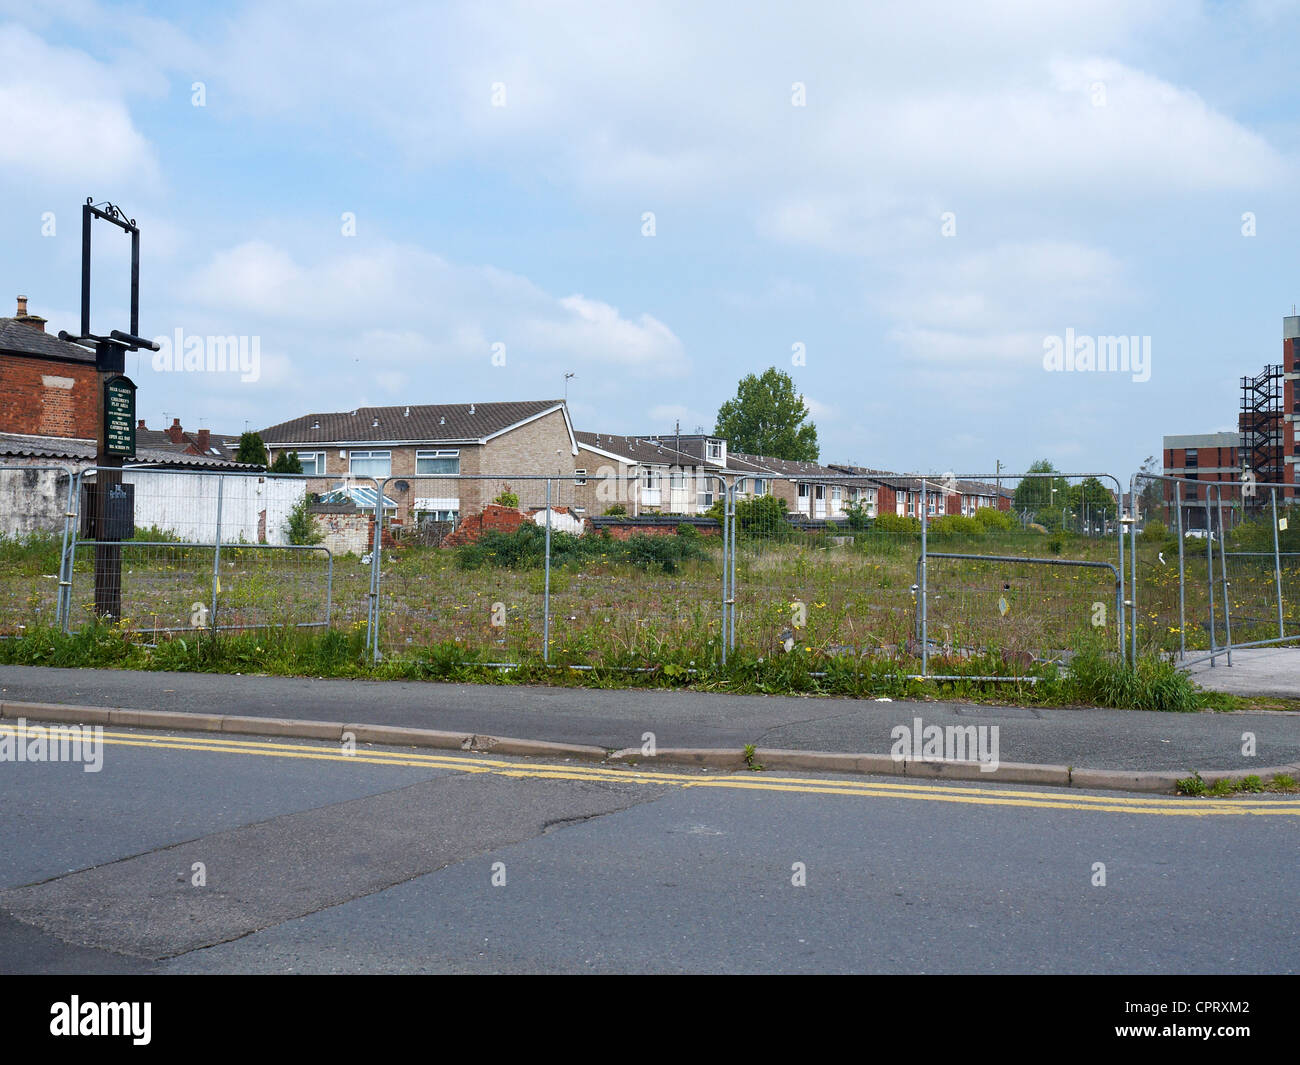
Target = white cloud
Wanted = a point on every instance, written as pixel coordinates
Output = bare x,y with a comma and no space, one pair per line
66,120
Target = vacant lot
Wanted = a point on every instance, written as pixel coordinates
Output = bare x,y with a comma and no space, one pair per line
848,598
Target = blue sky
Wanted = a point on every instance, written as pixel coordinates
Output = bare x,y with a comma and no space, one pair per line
1096,158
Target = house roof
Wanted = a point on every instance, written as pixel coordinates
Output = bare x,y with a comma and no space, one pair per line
441,423
18,338
158,440
83,452
637,449
782,467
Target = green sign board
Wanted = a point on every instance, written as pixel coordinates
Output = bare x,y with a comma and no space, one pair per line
119,416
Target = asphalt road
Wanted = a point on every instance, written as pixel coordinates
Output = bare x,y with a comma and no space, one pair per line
383,861
1083,738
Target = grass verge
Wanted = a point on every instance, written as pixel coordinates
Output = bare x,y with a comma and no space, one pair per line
1095,678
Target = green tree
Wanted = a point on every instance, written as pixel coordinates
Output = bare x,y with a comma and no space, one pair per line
251,449
1044,497
768,417
287,462
300,526
1091,500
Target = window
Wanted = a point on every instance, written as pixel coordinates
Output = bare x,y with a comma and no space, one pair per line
837,493
649,478
803,491
715,450
761,487
313,462
1191,458
704,492
579,477
370,463
434,463
676,480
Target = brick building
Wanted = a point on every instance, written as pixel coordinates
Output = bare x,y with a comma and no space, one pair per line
48,388
425,447
1290,402
1201,457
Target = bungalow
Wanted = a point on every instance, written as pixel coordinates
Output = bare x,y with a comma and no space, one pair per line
427,449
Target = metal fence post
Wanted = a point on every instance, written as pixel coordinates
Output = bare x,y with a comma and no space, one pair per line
63,604
372,615
1182,577
727,574
922,603
1277,566
216,556
731,611
546,590
1209,571
1223,573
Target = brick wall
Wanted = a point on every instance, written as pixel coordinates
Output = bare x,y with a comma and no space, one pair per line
47,397
492,518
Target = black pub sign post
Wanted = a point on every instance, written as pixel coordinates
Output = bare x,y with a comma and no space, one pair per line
109,504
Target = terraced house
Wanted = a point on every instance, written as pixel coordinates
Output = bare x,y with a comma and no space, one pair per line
419,449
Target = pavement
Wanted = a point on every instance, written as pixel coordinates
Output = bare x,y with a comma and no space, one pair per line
1134,750
1266,671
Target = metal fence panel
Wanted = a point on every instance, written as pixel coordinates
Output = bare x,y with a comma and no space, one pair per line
36,514
504,566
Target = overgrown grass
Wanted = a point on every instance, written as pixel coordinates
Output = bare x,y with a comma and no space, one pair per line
1224,787
1094,680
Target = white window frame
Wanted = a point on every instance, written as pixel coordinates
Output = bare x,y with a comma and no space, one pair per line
579,478
370,456
318,462
452,453
714,449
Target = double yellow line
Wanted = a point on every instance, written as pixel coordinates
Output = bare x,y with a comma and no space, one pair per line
972,795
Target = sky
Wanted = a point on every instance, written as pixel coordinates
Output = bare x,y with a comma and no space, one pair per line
905,206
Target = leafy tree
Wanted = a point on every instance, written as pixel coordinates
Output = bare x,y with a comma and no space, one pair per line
300,527
1043,496
287,462
760,518
992,518
856,513
251,449
768,417
1092,500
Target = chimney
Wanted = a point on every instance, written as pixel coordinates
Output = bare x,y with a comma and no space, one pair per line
34,320
175,432
140,425
202,440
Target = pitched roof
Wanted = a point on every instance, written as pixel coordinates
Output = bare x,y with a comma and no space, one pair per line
784,467
158,440
83,452
637,448
450,423
18,338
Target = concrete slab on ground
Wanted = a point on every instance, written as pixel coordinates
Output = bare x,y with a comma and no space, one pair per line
1267,671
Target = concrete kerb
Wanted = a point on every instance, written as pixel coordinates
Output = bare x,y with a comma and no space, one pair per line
701,757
